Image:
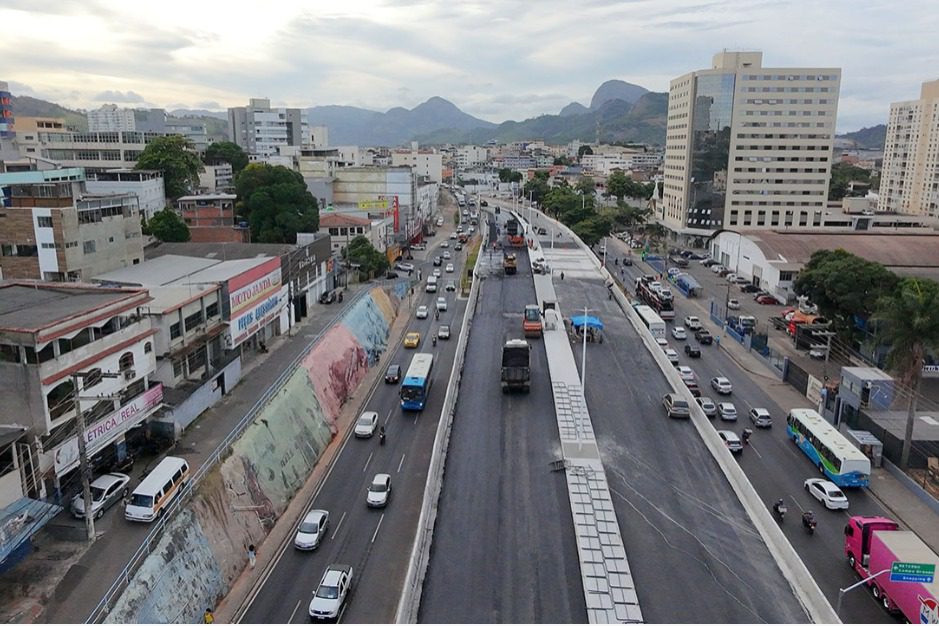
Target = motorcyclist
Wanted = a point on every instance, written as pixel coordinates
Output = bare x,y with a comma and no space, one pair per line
437,314
434,340
381,435
808,520
779,507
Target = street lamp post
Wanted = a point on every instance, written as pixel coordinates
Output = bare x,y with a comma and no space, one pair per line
583,356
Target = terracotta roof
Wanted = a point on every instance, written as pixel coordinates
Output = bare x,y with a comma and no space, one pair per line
331,220
891,250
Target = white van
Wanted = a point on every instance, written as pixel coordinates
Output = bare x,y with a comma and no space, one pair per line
431,284
157,490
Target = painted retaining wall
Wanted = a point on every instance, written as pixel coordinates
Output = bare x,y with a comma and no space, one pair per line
202,550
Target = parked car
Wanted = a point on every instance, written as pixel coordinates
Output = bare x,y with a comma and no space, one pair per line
704,337
765,298
391,274
723,272
818,352
679,261
707,262
731,440
327,297
419,246
312,530
722,385
330,595
733,304
393,374
106,491
692,322
679,333
717,269
366,424
731,277
749,288
405,267
761,418
692,351
379,491
727,411
675,406
707,405
827,493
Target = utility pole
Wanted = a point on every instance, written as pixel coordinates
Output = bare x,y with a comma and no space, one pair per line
84,468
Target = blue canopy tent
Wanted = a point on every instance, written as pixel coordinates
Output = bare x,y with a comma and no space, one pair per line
588,325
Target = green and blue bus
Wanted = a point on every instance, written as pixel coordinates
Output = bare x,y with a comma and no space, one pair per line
416,384
834,456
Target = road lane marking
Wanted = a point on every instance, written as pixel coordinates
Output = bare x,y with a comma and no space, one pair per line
388,416
375,534
292,615
401,463
367,461
339,525
797,503
753,447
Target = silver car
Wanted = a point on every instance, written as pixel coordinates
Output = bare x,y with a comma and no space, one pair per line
727,411
312,530
106,491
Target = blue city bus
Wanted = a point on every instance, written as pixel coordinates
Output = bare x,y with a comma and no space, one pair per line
835,457
416,384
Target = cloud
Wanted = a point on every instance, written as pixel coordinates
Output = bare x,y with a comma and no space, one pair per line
118,96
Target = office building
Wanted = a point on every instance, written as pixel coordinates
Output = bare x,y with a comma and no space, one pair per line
748,146
426,164
147,185
111,119
259,129
910,179
96,152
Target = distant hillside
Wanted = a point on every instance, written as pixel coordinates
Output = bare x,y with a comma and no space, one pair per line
574,108
26,106
219,115
872,138
616,90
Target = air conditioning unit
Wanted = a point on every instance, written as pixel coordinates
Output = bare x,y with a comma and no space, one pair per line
129,374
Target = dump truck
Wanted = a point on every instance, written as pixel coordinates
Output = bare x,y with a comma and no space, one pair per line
516,366
509,263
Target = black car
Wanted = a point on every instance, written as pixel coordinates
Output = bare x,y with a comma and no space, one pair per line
628,261
393,374
703,337
749,288
483,203
437,261
391,274
678,261
327,297
693,352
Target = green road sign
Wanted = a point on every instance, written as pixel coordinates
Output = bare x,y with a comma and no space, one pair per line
904,572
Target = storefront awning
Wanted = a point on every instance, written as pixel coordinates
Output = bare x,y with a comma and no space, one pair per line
21,520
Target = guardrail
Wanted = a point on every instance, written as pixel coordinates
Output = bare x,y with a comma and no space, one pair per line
222,450
420,554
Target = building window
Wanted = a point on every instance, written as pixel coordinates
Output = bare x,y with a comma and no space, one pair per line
126,361
147,348
786,276
89,247
175,331
192,321
211,310
44,222
177,368
61,399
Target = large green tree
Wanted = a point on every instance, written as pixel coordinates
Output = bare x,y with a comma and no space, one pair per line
844,285
507,175
586,185
229,152
621,186
175,157
910,325
360,251
167,225
537,188
592,229
276,203
841,175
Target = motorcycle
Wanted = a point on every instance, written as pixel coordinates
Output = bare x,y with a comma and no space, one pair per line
780,509
809,522
434,341
745,436
381,436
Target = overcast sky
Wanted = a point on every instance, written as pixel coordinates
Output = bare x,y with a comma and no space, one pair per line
497,60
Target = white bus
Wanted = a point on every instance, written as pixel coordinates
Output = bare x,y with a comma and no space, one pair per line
651,320
836,457
157,490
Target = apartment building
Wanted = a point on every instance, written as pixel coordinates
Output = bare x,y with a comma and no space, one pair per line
147,185
748,146
424,163
910,179
211,218
55,337
259,129
52,228
111,119
28,130
96,152
217,178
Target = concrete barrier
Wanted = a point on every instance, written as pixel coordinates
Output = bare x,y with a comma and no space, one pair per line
191,559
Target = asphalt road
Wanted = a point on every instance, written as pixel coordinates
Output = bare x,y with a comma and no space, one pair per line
375,542
695,555
504,547
774,465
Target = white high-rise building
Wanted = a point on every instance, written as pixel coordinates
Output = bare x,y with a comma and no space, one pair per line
910,179
261,130
748,146
111,119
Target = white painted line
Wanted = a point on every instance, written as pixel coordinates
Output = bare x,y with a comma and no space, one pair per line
753,447
339,525
417,415
401,463
388,417
367,461
375,534
797,503
292,615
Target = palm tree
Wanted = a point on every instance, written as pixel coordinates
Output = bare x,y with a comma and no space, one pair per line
911,327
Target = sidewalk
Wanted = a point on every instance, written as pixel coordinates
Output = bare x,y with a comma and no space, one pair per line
47,588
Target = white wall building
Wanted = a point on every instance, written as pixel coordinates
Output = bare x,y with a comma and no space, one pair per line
748,146
260,130
111,119
147,185
471,156
426,164
216,178
910,179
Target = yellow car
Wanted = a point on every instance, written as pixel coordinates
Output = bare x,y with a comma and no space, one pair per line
412,340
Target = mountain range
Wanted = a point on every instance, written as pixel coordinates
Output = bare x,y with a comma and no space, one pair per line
619,112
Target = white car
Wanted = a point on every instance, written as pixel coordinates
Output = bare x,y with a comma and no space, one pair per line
366,424
312,530
441,304
672,356
447,255
692,322
106,490
330,595
733,304
662,341
707,405
453,235
731,278
827,493
446,244
678,332
451,286
717,269
449,268
686,373
379,491
721,385
761,418
405,267
421,312
437,272
731,440
727,411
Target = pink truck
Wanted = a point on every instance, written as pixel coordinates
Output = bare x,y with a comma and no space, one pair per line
874,544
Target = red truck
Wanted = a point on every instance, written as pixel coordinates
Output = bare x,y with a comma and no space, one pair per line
872,545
